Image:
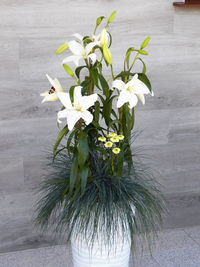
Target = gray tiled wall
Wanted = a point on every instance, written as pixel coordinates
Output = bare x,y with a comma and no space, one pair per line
30,32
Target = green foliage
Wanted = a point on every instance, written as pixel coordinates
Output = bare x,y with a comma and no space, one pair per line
106,201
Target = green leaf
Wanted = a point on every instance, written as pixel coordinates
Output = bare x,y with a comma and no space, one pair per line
102,99
114,114
61,134
73,172
57,152
110,39
96,111
111,18
62,48
132,118
95,76
142,77
71,93
83,148
84,177
69,140
144,66
78,70
112,124
128,119
104,85
99,20
96,124
107,109
68,70
145,42
64,193
143,52
56,181
120,164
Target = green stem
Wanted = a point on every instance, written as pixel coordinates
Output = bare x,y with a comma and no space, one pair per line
91,84
120,118
76,81
112,165
80,125
112,72
134,61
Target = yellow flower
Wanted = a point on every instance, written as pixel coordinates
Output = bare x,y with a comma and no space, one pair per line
114,139
108,144
120,137
111,134
102,138
116,150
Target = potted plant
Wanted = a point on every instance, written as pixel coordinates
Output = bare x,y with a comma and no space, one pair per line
98,193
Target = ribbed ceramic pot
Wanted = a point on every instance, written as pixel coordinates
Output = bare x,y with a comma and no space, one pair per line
101,256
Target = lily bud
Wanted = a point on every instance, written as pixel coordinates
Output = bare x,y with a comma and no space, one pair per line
104,37
107,55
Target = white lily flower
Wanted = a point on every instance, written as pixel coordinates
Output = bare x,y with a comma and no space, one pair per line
78,109
131,91
78,36
80,52
52,94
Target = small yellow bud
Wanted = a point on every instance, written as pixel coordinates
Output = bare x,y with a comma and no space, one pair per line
116,150
120,137
111,134
108,144
102,138
114,139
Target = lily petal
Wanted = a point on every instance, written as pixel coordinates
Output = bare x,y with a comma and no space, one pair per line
65,100
141,88
58,86
141,97
87,117
73,58
72,118
133,101
118,84
44,93
124,97
88,101
78,36
76,48
77,95
62,115
50,80
50,97
93,58
89,47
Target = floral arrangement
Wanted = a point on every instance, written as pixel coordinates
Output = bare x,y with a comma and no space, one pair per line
96,179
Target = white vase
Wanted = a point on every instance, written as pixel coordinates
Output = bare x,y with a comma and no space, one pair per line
99,254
